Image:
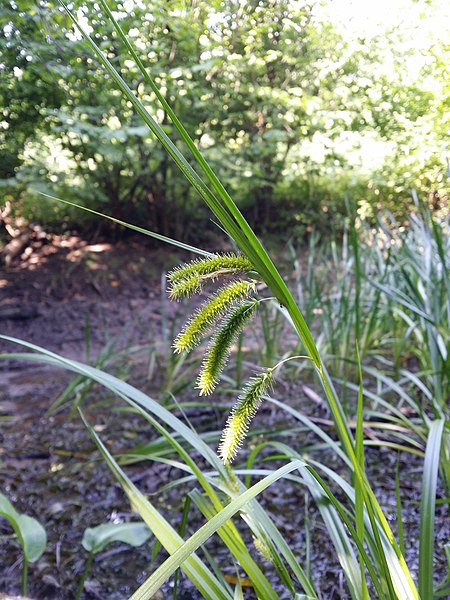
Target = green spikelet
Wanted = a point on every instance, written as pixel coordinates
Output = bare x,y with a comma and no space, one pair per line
207,315
218,352
182,278
185,287
242,413
262,548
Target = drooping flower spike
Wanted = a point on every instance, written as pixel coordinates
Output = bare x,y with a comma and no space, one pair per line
190,278
219,350
206,317
246,408
242,413
230,303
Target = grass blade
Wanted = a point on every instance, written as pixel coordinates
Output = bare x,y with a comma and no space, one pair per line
427,508
154,582
196,570
359,492
157,236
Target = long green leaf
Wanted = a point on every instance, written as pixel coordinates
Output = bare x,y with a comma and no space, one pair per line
386,553
359,492
256,517
427,508
224,209
228,532
157,236
154,582
196,570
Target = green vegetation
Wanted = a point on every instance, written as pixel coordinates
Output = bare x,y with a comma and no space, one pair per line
96,539
367,326
29,532
294,115
33,539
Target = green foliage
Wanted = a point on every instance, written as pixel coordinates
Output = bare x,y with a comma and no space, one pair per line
96,539
296,100
427,508
30,533
355,520
31,68
392,578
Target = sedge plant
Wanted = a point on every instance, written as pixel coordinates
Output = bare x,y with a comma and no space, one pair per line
390,294
358,527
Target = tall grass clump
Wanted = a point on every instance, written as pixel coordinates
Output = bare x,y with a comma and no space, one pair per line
385,288
417,286
371,558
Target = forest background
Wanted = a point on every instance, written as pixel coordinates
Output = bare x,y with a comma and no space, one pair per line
300,106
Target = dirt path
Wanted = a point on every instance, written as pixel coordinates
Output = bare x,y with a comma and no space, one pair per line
49,298
58,295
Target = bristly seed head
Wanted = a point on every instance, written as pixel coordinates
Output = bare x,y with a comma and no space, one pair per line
216,357
242,413
185,287
206,317
189,278
230,300
262,548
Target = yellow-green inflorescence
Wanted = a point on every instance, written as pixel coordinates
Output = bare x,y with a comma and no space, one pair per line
234,305
219,350
242,413
189,278
206,317
262,548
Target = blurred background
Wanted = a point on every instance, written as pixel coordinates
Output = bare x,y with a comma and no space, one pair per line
299,106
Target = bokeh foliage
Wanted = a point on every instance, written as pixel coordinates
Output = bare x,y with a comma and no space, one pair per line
284,107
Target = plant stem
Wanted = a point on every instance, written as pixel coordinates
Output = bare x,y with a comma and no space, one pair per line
290,358
239,361
24,576
87,568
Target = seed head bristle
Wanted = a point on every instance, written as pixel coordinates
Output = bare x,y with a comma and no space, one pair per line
206,317
182,278
262,549
216,357
185,287
242,413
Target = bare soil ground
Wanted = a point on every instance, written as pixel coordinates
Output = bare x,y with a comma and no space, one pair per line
66,294
60,294
49,295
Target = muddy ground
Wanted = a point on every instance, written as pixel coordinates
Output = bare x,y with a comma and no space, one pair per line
95,301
